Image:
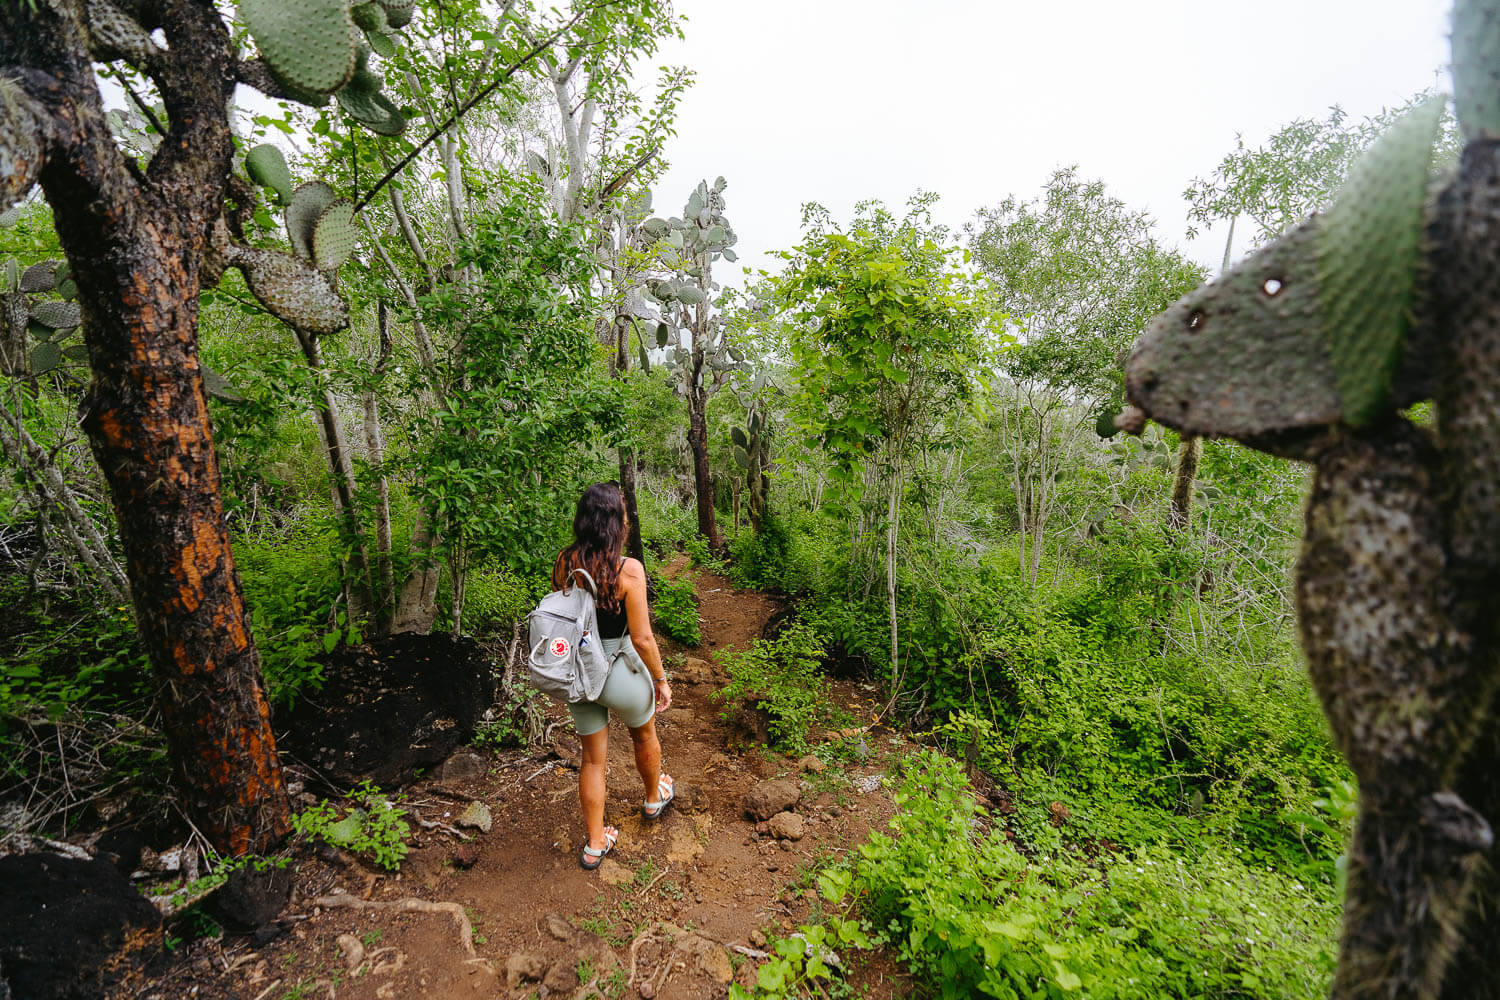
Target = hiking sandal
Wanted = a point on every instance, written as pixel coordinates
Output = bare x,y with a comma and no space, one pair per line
666,790
592,858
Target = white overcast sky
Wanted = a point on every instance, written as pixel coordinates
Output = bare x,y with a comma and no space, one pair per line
839,100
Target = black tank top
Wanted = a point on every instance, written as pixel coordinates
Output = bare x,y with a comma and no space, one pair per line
612,624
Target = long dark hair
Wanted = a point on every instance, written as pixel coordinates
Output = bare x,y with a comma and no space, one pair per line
598,539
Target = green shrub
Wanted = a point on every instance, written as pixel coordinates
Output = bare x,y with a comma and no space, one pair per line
676,610
372,825
292,587
783,678
760,559
965,910
665,524
68,654
494,600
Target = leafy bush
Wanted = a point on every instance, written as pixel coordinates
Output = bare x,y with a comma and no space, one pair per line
676,610
782,677
665,524
293,592
494,600
374,827
63,655
803,960
970,912
760,558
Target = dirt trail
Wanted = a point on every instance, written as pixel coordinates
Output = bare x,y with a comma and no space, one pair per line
679,896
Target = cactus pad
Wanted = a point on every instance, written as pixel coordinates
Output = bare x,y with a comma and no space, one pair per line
308,203
267,167
292,290
738,437
39,277
309,44
741,458
382,43
1368,258
364,102
1243,355
57,315
334,235
1476,68
45,358
398,12
368,16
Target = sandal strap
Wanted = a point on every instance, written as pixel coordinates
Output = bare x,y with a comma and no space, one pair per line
609,842
666,783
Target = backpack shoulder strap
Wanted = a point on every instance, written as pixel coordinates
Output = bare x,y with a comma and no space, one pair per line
580,571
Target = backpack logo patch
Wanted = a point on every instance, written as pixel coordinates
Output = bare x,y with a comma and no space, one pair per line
560,646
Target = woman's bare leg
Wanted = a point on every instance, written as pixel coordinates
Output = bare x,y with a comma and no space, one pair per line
648,757
591,785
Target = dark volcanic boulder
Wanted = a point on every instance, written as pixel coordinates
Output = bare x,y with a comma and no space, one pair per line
63,921
389,709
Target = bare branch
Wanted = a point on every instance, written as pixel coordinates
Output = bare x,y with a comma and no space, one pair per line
530,54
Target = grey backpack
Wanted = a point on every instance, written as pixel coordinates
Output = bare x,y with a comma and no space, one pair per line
567,658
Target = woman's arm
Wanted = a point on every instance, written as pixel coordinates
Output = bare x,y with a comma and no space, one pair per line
638,620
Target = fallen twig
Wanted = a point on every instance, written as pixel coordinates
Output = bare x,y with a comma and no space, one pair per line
653,882
752,952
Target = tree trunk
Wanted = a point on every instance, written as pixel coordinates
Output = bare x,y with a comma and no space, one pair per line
634,547
416,608
1189,451
341,474
136,243
384,583
698,443
619,365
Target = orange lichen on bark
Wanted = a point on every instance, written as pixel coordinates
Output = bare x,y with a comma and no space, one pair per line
200,558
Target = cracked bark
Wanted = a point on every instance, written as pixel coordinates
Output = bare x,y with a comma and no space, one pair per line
135,243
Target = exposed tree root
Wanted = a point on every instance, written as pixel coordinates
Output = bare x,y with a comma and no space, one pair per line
408,905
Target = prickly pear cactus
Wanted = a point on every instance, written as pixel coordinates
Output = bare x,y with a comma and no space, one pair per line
308,203
1312,329
334,235
1365,299
291,289
1398,583
309,44
267,167
364,102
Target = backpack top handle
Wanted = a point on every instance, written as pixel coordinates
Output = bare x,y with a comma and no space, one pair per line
580,571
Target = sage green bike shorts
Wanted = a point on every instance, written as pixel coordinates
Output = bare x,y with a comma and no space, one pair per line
628,691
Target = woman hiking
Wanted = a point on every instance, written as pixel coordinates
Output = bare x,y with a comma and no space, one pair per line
636,687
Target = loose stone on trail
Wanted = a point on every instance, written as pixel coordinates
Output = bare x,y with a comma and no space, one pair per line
767,798
476,817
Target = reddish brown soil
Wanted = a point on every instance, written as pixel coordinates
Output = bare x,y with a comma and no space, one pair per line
695,875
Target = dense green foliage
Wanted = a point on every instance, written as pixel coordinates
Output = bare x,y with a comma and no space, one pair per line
983,919
1166,812
781,678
